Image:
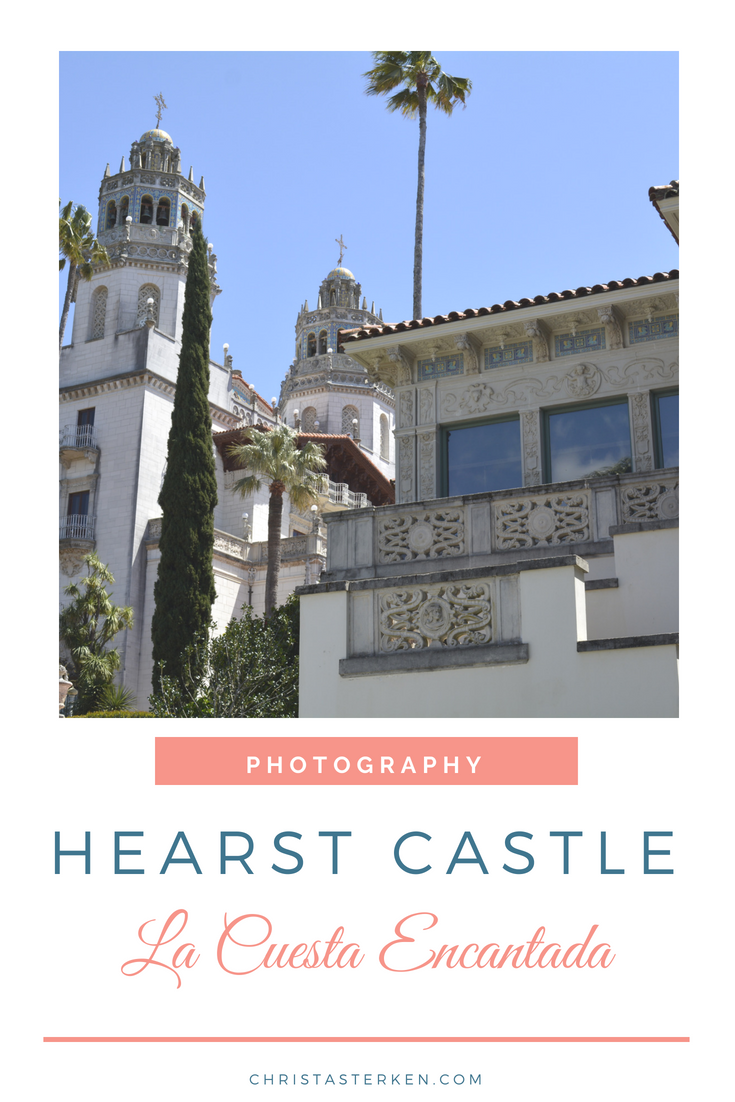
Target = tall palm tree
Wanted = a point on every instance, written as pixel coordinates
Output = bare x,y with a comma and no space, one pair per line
424,82
78,246
275,457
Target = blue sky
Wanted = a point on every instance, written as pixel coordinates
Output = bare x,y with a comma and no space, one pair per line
540,184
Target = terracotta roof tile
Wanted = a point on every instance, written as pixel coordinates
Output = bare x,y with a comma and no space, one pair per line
367,331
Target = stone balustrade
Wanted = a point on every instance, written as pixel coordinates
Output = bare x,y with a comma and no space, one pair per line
493,528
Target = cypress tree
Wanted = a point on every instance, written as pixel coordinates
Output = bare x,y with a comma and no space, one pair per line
184,591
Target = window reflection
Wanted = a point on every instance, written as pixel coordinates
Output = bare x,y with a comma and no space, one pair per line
668,429
589,441
485,457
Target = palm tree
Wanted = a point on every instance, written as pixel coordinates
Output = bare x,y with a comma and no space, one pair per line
78,245
275,457
423,82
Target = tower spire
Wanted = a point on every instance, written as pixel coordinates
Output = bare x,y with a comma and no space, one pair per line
161,105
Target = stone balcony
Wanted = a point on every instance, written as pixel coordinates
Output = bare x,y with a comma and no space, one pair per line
77,441
337,496
491,529
293,548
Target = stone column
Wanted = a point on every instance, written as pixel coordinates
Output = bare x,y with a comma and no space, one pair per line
427,464
406,489
641,431
532,457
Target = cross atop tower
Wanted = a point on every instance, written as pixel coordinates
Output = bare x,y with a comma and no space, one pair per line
342,248
160,103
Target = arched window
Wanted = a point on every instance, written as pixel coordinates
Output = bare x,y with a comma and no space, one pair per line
185,217
322,342
146,210
148,290
163,214
99,309
124,210
111,215
308,417
384,437
194,218
350,414
311,345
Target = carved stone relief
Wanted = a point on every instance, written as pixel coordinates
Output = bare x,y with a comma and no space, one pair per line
475,399
582,381
435,616
427,464
608,318
464,344
535,329
405,453
426,405
657,500
406,537
71,561
641,417
550,519
531,428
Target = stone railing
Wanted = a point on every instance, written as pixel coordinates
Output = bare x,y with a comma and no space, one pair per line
292,549
339,493
485,529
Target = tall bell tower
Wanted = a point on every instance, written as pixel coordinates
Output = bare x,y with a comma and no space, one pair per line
118,382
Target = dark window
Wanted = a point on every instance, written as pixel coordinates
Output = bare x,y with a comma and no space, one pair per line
85,417
146,210
163,212
666,427
587,441
483,457
78,504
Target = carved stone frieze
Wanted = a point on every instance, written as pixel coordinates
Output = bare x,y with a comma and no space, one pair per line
435,534
608,317
467,344
426,405
548,520
582,381
656,500
642,436
405,409
427,464
405,466
530,426
475,399
537,330
436,616
228,544
71,560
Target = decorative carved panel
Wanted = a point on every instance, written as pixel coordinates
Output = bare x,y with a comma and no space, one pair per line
435,616
642,437
657,500
406,537
546,520
427,464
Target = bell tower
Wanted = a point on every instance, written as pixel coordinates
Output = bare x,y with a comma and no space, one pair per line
144,220
327,391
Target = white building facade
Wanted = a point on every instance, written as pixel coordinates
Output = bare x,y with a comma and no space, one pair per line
529,566
117,386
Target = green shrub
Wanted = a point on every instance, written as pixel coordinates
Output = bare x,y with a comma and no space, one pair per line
250,671
115,715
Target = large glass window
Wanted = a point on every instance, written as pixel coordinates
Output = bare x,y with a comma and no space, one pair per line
483,457
586,441
666,420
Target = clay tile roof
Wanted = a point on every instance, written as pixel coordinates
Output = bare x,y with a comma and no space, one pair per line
664,191
367,331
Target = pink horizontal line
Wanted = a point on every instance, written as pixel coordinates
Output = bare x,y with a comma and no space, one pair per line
368,1040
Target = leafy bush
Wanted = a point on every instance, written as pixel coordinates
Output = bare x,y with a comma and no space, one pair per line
250,671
